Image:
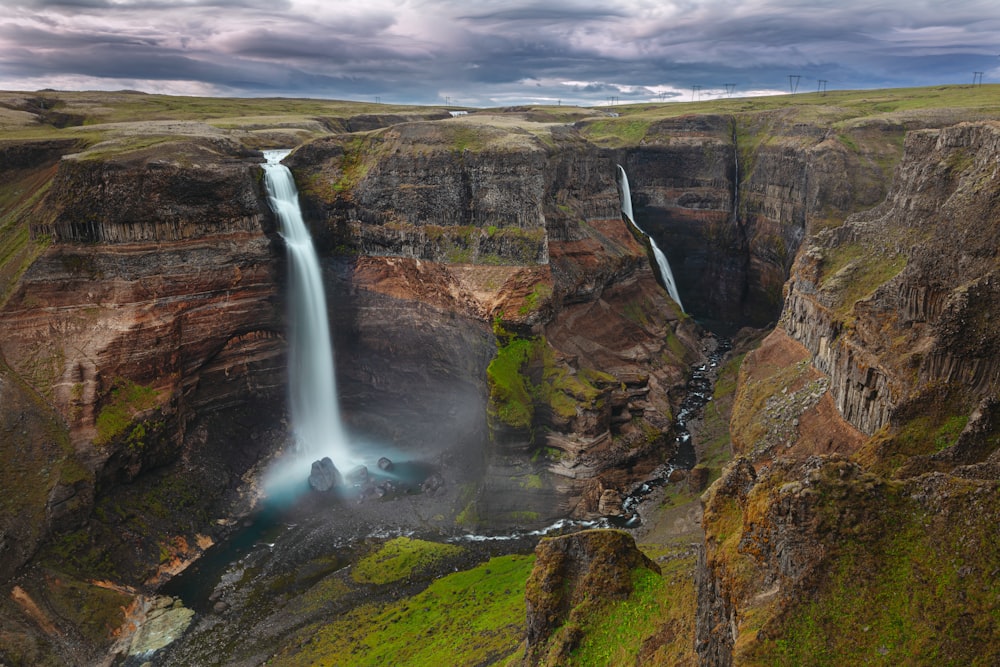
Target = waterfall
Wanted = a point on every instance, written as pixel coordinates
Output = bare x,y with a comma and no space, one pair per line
661,259
314,406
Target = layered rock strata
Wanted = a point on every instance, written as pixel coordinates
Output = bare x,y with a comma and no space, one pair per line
889,322
155,308
515,232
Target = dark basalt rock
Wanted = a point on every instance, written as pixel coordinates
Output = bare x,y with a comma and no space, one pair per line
324,475
433,484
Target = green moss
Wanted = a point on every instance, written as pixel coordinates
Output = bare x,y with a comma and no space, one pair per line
541,293
467,500
467,618
533,482
525,376
401,558
127,399
636,312
510,390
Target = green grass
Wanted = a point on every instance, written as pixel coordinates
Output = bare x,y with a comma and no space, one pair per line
401,558
918,588
468,618
617,634
654,625
95,611
852,272
623,131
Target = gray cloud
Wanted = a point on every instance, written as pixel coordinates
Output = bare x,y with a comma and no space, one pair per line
491,51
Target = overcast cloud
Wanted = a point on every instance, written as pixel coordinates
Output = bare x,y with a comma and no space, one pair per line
494,52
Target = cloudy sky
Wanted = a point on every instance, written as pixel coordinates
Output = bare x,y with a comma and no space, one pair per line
494,52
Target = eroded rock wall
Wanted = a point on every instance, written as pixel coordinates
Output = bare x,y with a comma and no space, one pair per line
866,419
155,310
896,300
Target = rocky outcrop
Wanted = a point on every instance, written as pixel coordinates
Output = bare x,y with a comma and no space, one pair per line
895,301
572,575
170,193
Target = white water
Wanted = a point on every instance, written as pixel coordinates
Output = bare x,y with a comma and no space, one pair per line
661,259
315,409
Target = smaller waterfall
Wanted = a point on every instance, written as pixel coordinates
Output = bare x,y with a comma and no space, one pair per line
314,406
661,259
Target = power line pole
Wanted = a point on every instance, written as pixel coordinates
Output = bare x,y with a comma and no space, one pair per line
821,87
695,90
793,82
730,87
977,79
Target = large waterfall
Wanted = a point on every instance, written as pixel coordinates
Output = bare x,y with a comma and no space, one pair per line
661,259
315,410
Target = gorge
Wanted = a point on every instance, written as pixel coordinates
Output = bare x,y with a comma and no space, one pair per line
501,334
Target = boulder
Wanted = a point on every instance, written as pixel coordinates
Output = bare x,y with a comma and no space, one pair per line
324,475
357,476
433,484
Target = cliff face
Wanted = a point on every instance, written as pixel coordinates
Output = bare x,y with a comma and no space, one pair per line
867,419
154,310
896,301
493,225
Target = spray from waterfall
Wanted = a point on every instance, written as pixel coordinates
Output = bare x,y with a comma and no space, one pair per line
313,392
661,259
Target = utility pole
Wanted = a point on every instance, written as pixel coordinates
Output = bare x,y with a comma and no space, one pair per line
977,79
821,87
695,90
730,87
793,82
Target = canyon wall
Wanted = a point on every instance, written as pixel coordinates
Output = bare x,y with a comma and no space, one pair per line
467,220
154,311
866,424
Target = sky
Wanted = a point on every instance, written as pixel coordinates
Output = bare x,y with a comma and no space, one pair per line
485,53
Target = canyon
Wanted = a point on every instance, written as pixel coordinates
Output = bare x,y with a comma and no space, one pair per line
498,325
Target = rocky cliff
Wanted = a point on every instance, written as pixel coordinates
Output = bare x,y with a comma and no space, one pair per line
868,425
154,308
518,222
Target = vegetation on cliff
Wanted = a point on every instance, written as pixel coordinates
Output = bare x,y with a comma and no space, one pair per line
525,378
